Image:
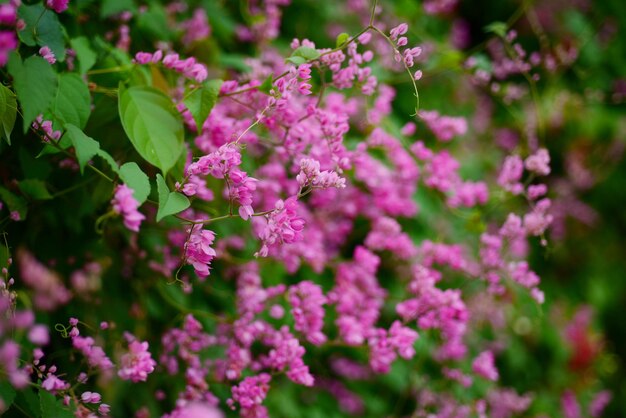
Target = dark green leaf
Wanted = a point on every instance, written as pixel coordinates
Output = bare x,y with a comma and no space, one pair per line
14,202
153,125
32,167
267,84
35,189
72,103
170,203
51,407
35,83
201,101
8,111
86,147
137,180
42,28
111,7
86,56
64,143
7,394
107,157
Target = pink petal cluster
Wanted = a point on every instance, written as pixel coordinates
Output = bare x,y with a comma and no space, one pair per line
358,297
189,67
539,162
484,366
198,249
445,128
283,225
47,54
8,38
307,300
58,6
223,164
47,128
137,364
310,175
126,205
249,394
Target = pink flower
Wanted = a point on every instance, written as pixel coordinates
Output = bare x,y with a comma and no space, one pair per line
484,365
58,6
283,226
137,364
307,300
47,54
250,394
198,250
539,162
511,174
125,204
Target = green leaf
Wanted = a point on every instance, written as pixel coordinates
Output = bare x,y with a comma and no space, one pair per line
499,28
342,38
51,407
35,83
86,56
201,101
111,7
296,60
7,394
153,22
15,203
137,180
170,203
8,111
42,28
35,189
107,157
303,54
153,125
64,143
86,147
267,84
72,103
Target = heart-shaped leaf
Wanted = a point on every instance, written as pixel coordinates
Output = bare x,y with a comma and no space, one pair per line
72,103
153,125
137,180
86,147
8,111
201,102
35,83
170,203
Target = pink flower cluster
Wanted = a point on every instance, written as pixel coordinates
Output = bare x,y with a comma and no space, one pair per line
189,67
47,54
198,251
126,205
137,364
311,176
307,300
444,127
58,6
283,225
223,164
8,38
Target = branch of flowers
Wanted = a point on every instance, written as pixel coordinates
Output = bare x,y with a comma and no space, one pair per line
406,67
219,218
118,69
534,93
